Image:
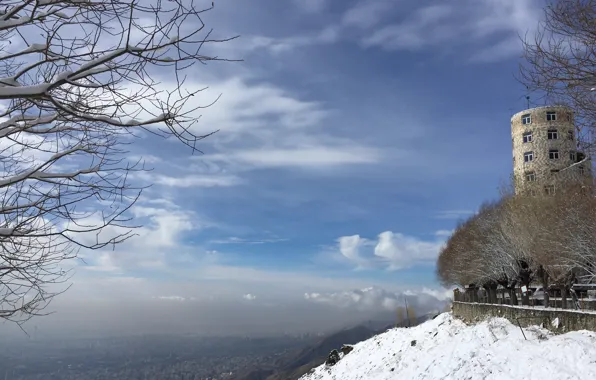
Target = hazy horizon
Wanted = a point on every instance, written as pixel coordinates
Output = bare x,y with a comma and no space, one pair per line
244,315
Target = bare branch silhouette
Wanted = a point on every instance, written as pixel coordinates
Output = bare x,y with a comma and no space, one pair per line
77,79
560,63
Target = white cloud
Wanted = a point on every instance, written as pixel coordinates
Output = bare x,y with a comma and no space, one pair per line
328,35
237,240
165,226
349,247
490,28
320,156
379,299
198,180
249,297
462,23
391,250
420,29
366,14
172,298
402,251
444,233
103,262
243,106
504,49
260,126
248,106
158,241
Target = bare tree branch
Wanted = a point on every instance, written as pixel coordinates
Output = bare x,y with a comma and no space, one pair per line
77,79
560,63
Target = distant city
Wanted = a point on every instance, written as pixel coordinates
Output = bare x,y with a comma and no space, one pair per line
147,358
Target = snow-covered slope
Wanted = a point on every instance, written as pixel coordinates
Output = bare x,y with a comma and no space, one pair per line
446,348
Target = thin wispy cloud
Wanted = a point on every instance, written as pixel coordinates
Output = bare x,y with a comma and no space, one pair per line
237,240
462,24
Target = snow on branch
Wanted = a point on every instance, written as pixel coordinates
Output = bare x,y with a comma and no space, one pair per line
78,78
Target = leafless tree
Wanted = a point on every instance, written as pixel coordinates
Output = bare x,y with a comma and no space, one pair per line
78,80
492,248
453,262
569,245
560,60
519,238
470,255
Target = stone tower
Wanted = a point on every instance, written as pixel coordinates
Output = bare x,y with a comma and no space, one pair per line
544,148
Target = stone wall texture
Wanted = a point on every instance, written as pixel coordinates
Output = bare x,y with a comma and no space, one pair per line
568,320
547,171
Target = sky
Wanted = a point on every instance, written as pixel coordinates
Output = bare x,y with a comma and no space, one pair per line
352,137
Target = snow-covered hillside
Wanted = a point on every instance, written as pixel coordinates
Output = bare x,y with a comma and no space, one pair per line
446,348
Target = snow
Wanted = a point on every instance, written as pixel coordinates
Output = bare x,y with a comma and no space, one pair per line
446,348
34,48
6,231
17,92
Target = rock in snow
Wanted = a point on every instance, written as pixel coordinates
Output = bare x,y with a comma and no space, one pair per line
446,348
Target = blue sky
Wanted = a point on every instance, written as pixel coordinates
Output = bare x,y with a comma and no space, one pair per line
350,118
352,138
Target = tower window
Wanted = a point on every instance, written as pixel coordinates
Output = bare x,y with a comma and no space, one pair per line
530,176
532,192
551,116
572,156
554,171
526,119
549,189
552,134
528,156
569,135
527,137
581,170
553,154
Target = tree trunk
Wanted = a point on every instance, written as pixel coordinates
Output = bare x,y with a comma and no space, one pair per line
564,297
545,287
526,276
492,294
513,296
545,284
474,294
574,299
525,299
